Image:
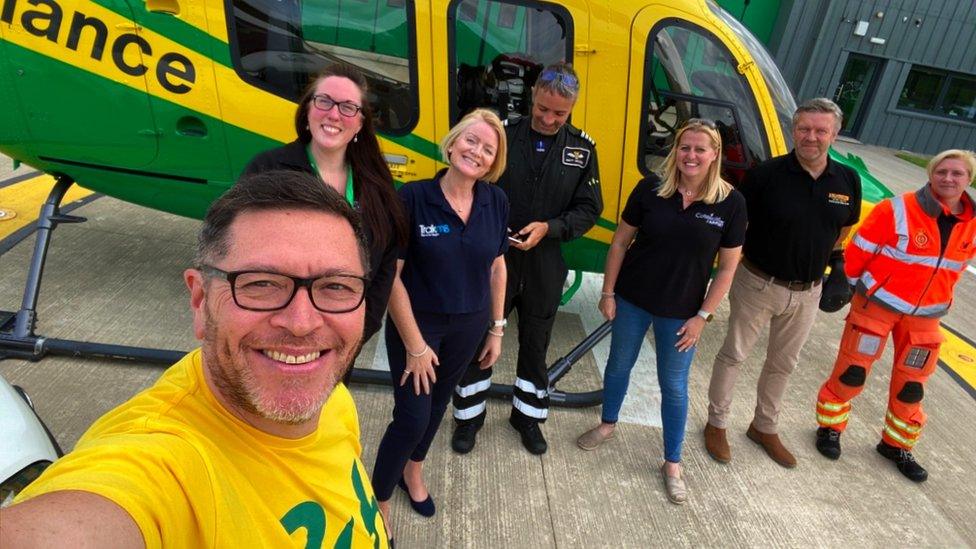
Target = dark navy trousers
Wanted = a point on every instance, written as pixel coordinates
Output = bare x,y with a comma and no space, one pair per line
456,339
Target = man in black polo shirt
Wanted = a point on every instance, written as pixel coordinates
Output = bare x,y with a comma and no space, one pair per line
801,207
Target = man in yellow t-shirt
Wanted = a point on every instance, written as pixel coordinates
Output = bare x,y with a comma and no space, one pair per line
248,441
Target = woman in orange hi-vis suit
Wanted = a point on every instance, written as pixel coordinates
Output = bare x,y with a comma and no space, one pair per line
904,262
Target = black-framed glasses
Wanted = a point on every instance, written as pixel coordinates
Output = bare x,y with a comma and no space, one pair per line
708,123
325,103
552,75
265,291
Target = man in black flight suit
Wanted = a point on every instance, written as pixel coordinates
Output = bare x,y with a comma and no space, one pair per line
553,183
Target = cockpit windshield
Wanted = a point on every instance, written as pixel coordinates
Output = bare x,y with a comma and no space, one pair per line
778,89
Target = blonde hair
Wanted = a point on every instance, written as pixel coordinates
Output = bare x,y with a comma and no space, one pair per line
968,157
488,117
714,189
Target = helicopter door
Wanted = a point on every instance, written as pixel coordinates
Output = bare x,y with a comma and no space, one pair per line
687,72
82,81
183,92
497,48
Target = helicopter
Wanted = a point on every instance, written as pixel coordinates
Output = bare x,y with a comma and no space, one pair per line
163,102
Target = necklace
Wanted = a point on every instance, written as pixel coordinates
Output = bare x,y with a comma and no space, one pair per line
687,192
453,203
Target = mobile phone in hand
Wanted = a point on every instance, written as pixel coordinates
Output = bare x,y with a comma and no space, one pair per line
515,237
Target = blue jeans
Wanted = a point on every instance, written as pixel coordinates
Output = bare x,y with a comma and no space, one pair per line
629,327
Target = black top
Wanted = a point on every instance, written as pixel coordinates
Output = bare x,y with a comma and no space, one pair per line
447,263
666,270
382,260
794,220
566,190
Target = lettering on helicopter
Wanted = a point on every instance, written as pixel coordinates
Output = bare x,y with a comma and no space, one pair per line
174,71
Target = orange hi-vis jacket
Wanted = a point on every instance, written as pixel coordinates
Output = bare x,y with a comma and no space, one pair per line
895,258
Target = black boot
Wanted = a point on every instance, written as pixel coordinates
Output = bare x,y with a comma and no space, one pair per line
904,460
828,442
465,436
531,435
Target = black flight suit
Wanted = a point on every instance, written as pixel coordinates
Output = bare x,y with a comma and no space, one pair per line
566,194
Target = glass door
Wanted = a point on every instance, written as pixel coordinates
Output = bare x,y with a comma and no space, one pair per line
854,91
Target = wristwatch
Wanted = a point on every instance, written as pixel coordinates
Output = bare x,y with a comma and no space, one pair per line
706,315
499,323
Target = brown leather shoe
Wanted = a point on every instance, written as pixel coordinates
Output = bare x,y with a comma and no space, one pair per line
774,448
716,444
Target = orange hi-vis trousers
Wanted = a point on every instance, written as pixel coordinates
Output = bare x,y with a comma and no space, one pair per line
917,341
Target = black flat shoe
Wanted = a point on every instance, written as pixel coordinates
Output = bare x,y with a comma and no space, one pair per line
424,508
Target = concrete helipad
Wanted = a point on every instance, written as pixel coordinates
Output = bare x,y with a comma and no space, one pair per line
116,279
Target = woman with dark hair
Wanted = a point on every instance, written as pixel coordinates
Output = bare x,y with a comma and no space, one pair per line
337,143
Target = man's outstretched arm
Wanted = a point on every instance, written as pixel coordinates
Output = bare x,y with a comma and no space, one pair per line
68,518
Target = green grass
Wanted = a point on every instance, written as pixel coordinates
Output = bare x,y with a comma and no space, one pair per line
920,161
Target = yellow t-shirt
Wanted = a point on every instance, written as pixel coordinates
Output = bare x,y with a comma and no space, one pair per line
192,475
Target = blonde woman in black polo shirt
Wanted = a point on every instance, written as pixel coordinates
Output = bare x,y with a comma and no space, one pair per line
656,275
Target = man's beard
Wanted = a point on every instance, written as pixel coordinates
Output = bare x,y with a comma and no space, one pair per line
288,404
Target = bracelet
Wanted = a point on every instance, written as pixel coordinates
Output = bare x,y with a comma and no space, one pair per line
496,334
606,295
420,354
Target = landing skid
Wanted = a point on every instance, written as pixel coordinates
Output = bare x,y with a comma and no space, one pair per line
19,340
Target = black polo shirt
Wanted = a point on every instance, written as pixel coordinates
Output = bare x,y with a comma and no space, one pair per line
795,220
666,269
447,264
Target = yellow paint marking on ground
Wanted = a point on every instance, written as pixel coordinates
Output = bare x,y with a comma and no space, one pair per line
959,355
25,198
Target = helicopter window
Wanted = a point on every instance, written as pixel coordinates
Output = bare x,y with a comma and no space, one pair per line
689,74
279,46
499,48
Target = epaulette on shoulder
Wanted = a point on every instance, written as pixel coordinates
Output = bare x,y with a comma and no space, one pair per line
512,121
579,132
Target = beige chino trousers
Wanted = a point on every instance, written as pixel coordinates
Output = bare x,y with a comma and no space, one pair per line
756,303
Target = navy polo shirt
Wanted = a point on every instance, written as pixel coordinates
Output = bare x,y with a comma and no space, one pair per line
447,264
666,269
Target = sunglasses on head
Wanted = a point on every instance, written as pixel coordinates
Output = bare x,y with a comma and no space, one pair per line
551,75
701,122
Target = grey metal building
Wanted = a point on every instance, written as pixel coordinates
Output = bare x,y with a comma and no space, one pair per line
903,71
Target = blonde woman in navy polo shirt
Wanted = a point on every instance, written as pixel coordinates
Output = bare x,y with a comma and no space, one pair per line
450,283
656,275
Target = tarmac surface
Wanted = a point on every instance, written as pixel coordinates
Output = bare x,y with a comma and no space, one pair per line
117,279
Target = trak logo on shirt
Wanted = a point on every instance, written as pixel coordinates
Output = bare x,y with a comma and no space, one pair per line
433,230
711,219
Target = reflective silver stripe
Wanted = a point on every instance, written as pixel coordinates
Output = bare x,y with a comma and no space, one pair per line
903,306
531,411
473,389
900,304
829,420
834,406
469,413
864,244
852,280
927,260
901,222
891,432
903,425
529,387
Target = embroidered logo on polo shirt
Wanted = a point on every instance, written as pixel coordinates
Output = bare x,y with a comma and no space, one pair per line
711,219
837,198
433,230
576,156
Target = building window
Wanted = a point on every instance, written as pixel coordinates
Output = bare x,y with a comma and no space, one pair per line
941,93
279,46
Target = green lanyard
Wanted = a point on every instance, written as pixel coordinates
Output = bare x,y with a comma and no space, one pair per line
315,167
